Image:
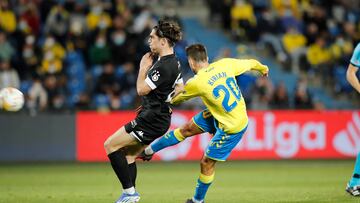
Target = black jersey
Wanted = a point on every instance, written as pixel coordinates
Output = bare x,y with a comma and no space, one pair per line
162,78
154,118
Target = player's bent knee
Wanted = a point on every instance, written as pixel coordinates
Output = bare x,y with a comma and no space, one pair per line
109,146
187,130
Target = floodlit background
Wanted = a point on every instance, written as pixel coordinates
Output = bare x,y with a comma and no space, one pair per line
76,61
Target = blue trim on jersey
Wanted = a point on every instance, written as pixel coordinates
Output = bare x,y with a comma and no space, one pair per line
222,144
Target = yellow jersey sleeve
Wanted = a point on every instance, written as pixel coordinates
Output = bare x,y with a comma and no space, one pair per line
240,66
190,91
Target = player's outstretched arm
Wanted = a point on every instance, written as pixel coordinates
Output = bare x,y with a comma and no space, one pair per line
352,78
240,66
188,91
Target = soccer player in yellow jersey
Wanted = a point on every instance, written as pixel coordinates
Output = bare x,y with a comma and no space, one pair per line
226,116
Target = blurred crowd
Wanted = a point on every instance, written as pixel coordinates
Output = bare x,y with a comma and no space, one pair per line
311,38
73,54
84,54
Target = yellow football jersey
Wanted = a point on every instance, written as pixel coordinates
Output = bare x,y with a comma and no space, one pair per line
217,87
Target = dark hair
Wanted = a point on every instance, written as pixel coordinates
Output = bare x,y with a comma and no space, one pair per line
169,30
197,52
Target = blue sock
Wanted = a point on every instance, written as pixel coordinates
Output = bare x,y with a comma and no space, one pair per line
355,180
202,186
170,139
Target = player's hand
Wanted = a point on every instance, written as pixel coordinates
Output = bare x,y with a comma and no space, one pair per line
146,61
265,72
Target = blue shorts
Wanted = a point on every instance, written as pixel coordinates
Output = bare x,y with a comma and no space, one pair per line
205,121
221,144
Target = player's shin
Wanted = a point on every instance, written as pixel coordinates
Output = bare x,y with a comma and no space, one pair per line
170,139
202,187
121,168
133,172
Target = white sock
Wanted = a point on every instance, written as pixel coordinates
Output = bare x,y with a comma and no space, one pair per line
148,150
129,190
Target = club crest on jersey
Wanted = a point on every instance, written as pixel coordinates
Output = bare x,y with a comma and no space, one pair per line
155,76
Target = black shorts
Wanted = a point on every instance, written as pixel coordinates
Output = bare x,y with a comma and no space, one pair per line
149,125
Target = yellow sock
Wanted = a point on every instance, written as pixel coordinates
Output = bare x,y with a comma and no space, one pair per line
178,135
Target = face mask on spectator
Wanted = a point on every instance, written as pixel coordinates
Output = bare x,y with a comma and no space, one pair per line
288,13
49,55
28,53
102,24
119,39
30,40
76,27
23,26
100,43
49,42
340,41
96,10
239,2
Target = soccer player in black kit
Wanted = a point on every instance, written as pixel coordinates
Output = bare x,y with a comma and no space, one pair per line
157,82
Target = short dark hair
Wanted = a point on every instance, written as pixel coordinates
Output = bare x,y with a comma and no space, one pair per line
169,30
197,52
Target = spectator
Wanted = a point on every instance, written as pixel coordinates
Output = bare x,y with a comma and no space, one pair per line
8,76
108,85
303,98
7,17
7,51
341,49
263,91
293,40
294,43
78,29
30,59
30,20
288,13
100,52
243,20
107,82
283,8
53,53
122,48
268,28
55,92
318,55
97,18
57,23
280,98
37,96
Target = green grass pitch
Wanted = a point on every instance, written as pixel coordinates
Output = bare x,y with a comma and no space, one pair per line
241,181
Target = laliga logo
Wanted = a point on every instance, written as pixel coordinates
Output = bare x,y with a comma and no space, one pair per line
285,138
347,141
